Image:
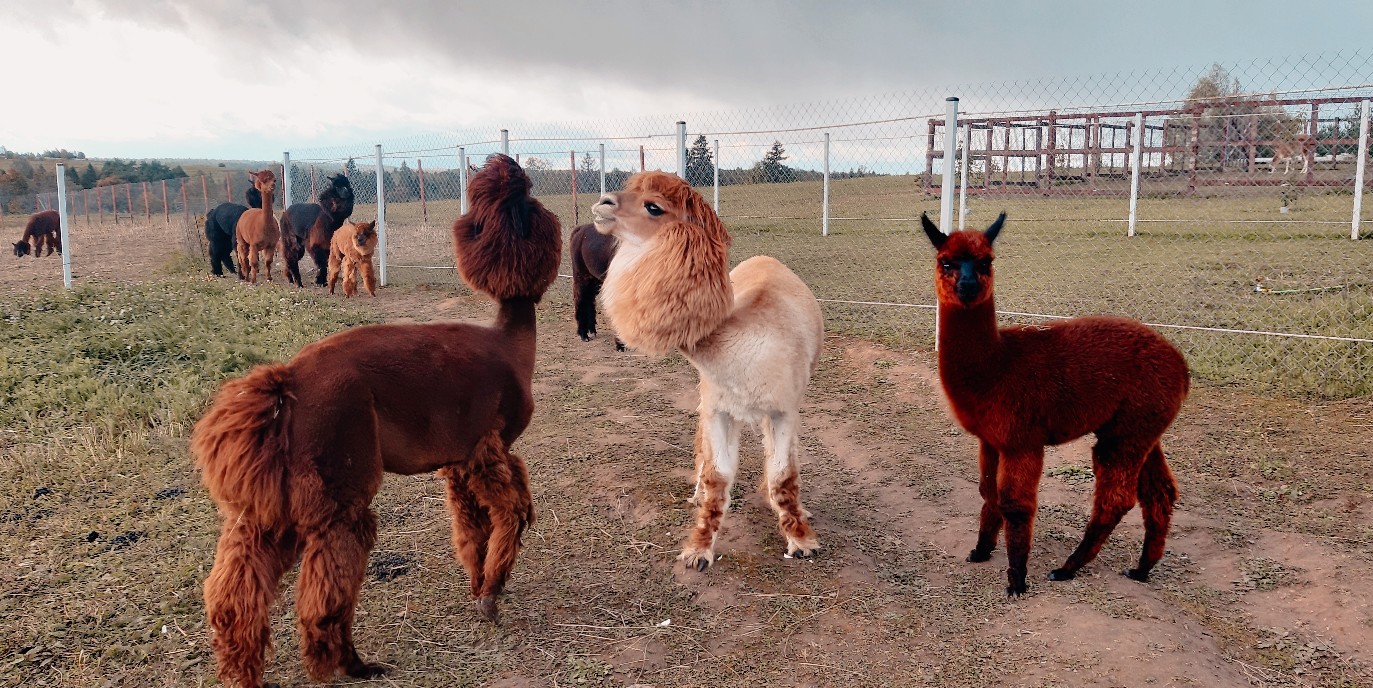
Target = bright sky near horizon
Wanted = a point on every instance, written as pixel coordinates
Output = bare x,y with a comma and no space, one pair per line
249,79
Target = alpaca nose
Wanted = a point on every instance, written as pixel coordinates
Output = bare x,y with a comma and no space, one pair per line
608,201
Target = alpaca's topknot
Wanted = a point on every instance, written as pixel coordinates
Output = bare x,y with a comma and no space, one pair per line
337,197
507,244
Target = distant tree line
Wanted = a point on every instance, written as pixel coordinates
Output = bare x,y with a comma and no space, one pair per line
30,174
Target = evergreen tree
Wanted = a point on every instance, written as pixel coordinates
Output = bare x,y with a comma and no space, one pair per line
700,167
73,179
89,177
770,169
350,168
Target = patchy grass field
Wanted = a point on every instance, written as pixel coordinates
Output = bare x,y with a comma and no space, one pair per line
109,535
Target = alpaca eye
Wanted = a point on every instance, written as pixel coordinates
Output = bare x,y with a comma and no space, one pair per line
653,209
984,266
946,265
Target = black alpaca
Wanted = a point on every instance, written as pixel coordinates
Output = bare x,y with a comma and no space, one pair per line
311,226
219,231
591,254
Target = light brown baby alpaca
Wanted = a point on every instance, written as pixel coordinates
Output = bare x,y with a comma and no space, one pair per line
351,250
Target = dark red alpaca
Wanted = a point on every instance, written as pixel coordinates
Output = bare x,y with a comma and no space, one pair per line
43,227
1020,388
311,226
591,254
294,453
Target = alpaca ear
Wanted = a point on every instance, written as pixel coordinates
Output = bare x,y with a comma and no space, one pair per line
936,237
995,229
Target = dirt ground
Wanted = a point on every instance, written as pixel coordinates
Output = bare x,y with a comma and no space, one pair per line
1264,582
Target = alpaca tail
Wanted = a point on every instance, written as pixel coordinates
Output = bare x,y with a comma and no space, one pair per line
240,445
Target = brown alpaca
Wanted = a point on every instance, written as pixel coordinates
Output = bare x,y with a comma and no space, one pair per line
1020,388
754,335
257,230
294,453
350,251
1302,146
42,227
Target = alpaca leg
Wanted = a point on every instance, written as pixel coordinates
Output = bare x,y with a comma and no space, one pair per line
350,277
1117,469
239,592
989,525
584,291
1158,491
320,254
719,464
369,276
1017,482
783,484
331,572
471,528
701,450
335,268
269,252
244,266
502,489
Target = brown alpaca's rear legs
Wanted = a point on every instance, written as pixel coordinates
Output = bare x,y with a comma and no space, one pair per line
783,484
1117,467
471,528
1017,482
718,461
369,276
269,253
331,572
989,525
1158,491
335,266
239,592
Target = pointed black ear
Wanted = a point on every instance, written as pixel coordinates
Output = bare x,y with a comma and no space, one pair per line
995,229
936,237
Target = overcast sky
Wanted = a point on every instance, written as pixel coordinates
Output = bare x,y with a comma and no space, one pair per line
248,79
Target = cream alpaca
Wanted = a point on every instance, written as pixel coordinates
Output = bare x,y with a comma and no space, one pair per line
754,335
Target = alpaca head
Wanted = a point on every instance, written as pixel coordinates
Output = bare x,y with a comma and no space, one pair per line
366,236
265,181
21,249
253,197
507,244
963,263
337,197
668,285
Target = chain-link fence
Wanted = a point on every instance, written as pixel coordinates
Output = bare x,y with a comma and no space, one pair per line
1220,204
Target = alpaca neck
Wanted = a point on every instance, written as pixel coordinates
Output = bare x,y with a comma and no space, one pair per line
267,217
969,347
516,320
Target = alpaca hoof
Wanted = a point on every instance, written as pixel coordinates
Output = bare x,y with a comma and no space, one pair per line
1136,574
978,556
366,670
803,552
699,560
1062,575
619,345
487,607
1014,591
584,337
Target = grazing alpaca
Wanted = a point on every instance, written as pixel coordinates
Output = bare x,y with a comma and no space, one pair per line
1020,388
350,251
219,230
310,226
591,255
43,227
257,230
754,335
1287,151
294,453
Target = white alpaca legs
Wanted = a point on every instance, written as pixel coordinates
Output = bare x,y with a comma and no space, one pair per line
782,480
717,464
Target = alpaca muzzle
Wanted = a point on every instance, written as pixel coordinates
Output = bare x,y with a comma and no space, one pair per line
603,213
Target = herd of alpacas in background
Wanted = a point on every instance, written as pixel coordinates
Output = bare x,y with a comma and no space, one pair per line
293,453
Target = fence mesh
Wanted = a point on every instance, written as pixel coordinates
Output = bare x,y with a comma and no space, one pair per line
1240,245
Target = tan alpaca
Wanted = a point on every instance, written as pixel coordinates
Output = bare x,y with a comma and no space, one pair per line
350,251
257,230
1287,151
754,335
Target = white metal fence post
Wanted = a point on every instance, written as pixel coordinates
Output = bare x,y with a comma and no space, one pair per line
1136,158
462,180
62,225
286,183
505,142
950,151
716,175
681,149
602,169
381,216
1358,170
825,207
963,178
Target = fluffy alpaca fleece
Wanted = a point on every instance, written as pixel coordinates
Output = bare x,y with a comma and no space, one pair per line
220,223
257,230
350,252
1020,388
755,345
42,227
592,253
293,453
